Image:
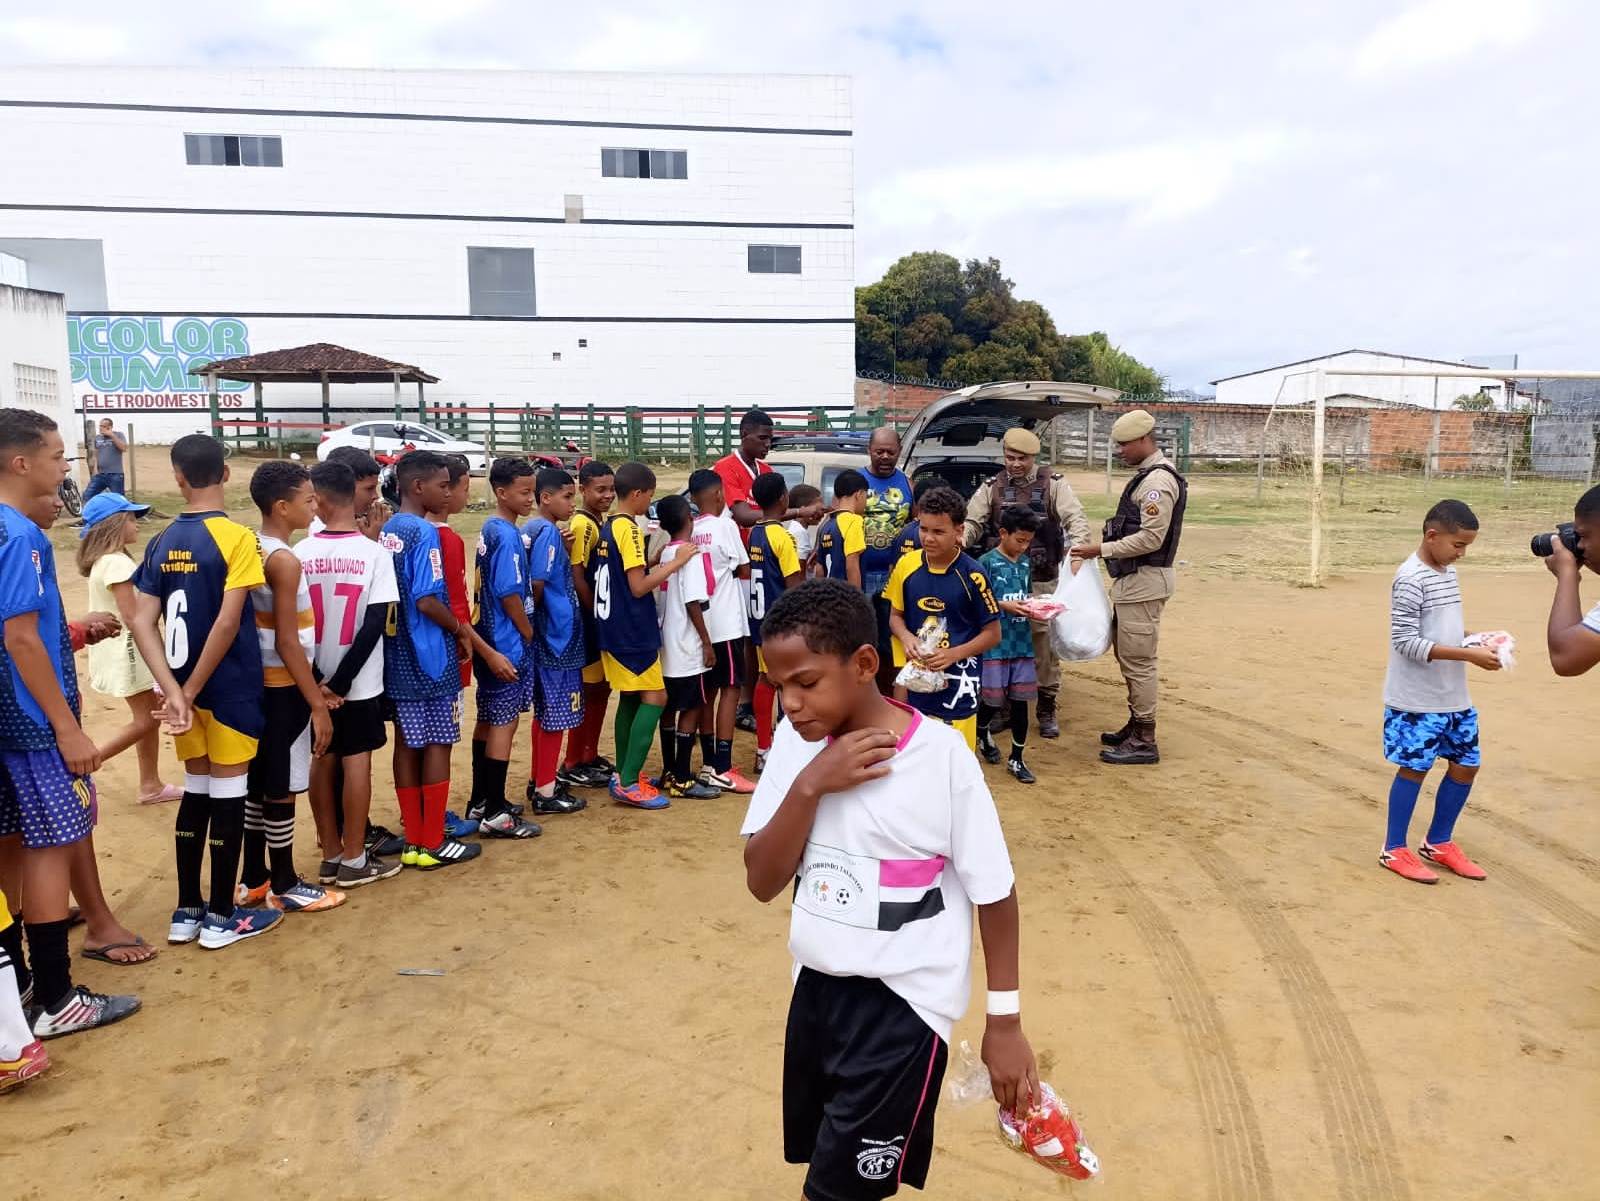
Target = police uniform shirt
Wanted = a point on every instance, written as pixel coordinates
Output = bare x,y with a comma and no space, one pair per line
1158,495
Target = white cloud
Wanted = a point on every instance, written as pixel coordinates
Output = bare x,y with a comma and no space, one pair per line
65,39
1437,32
634,43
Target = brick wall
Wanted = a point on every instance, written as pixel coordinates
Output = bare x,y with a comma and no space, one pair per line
902,400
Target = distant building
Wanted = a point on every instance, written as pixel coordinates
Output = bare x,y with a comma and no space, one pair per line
1291,383
35,371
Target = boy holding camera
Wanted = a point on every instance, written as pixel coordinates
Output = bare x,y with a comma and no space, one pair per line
1573,636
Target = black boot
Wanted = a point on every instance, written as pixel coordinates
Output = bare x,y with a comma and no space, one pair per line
987,746
1019,769
1122,735
1138,747
1046,717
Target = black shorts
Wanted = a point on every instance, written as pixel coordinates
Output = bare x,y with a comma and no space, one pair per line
685,693
358,727
282,764
861,1079
727,668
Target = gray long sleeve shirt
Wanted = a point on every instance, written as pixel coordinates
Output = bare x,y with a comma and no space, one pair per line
1424,612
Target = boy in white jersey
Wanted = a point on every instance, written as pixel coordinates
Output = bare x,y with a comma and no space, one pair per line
352,585
881,823
728,620
296,715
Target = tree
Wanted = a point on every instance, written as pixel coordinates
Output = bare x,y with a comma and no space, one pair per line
932,315
1476,402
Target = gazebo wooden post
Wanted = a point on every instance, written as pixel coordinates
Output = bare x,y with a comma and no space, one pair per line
327,416
215,404
422,405
261,415
399,414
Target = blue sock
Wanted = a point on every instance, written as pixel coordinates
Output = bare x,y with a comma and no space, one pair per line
1402,803
1447,806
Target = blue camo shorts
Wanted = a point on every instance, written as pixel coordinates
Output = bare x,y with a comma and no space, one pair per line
435,722
558,698
500,703
44,802
1415,740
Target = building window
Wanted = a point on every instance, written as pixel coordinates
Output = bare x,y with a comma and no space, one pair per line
644,164
500,281
775,260
232,150
37,388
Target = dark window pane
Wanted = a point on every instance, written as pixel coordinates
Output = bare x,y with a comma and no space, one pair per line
230,150
661,164
761,259
680,164
250,151
630,163
609,164
272,152
500,281
191,148
786,259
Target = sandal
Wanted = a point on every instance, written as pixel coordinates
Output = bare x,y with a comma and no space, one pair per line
169,792
103,954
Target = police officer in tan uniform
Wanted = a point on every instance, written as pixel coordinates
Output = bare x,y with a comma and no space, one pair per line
1140,548
1065,526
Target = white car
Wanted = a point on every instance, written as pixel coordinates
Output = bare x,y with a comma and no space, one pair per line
392,437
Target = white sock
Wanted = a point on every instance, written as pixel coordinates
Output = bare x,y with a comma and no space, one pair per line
14,1031
357,861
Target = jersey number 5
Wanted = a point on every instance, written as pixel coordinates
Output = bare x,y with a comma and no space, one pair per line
758,595
177,630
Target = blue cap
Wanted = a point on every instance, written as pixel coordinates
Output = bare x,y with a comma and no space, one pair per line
107,504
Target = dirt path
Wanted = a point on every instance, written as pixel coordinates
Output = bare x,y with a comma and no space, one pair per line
1239,1002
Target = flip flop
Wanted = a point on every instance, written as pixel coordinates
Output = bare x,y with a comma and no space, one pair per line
169,793
74,917
103,954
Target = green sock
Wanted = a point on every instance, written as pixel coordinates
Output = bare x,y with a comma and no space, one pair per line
643,734
627,709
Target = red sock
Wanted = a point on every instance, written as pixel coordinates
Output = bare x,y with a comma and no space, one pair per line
766,699
435,797
411,814
594,722
547,750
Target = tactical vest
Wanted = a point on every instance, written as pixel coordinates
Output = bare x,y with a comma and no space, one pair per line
1049,544
1128,519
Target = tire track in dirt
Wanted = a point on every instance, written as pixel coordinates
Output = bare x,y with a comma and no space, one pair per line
1234,1146
1361,1142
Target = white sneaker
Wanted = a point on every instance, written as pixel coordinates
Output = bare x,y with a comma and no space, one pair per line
186,925
711,778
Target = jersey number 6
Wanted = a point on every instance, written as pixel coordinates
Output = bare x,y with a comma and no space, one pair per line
177,630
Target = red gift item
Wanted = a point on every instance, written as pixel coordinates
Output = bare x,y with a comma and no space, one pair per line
1050,1134
1042,608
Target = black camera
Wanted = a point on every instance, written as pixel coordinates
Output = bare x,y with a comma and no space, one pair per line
1544,545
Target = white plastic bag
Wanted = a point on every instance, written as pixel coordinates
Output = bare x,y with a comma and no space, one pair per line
1083,629
913,676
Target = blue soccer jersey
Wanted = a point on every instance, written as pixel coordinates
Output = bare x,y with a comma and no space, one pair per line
627,623
419,658
773,558
556,621
947,607
838,537
28,585
189,567
500,570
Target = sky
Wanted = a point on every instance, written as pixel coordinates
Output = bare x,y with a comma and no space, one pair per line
1219,187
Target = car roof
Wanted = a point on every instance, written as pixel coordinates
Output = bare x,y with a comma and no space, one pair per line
971,422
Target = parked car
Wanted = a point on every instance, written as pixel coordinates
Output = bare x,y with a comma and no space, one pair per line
392,438
817,459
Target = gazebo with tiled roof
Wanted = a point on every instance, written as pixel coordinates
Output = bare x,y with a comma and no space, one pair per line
320,362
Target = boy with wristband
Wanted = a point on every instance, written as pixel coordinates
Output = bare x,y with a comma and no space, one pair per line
881,823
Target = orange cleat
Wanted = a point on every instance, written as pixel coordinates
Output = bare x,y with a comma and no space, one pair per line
1448,854
738,781
1403,863
33,1062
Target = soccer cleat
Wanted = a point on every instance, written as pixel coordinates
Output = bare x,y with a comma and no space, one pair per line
218,932
328,871
561,802
306,898
249,897
689,790
987,747
584,775
186,925
383,841
744,717
32,1062
712,778
739,782
408,857
506,824
456,826
1403,863
448,853
1448,854
1019,769
474,811
638,796
373,869
761,761
83,1010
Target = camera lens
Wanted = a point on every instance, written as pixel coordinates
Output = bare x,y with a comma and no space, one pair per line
1543,545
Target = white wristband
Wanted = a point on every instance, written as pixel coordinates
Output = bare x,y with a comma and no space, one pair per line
1005,1004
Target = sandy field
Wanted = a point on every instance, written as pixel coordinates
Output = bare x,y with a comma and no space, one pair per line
1216,974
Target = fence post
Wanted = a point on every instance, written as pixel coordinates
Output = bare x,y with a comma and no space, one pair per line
557,443
1432,464
1108,466
1055,442
1509,452
133,459
1088,443
1261,468
588,419
697,437
1344,469
727,430
279,424
635,435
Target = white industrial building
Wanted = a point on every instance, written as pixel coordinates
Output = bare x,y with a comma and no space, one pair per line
530,238
35,372
1292,383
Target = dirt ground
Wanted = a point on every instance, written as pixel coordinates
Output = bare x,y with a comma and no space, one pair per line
1216,974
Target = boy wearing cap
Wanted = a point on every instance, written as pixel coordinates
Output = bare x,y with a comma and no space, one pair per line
1062,524
1140,547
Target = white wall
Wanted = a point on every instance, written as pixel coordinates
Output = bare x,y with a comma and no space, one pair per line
1292,384
670,312
33,333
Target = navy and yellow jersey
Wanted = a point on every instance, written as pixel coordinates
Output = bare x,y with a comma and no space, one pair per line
945,607
189,567
773,558
585,527
627,623
500,569
908,540
841,534
28,585
558,640
419,657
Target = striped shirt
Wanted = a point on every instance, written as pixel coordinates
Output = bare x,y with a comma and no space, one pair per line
1424,612
273,673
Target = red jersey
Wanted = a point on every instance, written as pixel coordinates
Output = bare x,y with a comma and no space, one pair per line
738,477
454,552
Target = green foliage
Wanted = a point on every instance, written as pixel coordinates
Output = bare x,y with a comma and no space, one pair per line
931,316
1476,402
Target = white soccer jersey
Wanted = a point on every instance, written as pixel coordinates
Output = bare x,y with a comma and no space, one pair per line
892,869
719,540
346,572
680,641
